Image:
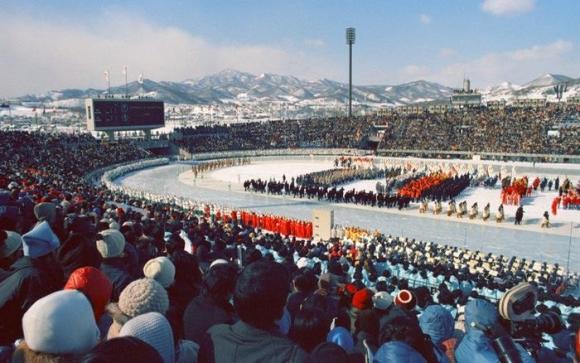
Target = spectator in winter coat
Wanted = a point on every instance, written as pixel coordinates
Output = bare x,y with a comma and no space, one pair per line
212,306
259,299
97,288
57,328
437,322
111,245
475,347
31,277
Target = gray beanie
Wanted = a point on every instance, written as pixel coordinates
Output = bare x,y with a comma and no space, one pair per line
143,296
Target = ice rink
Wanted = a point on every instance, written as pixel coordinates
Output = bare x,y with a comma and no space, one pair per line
529,240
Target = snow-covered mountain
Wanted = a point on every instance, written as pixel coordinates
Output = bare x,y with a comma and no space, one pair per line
541,87
235,86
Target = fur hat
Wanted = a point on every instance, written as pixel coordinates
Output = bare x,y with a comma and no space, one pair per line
143,296
40,241
154,329
61,323
112,243
10,242
45,212
160,269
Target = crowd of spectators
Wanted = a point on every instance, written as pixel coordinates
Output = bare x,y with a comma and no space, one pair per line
83,279
511,130
324,133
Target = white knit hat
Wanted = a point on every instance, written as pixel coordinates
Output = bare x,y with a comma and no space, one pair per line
154,329
160,269
143,296
61,323
112,244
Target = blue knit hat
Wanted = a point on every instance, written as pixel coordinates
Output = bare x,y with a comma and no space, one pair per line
40,241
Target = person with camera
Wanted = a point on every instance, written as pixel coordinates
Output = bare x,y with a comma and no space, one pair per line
480,343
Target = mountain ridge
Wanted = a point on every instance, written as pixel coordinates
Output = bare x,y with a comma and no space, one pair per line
232,86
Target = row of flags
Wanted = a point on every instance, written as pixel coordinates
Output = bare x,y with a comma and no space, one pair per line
107,75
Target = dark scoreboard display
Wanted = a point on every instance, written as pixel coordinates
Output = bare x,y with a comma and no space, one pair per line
110,114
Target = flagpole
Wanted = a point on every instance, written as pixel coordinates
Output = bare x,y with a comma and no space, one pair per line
126,87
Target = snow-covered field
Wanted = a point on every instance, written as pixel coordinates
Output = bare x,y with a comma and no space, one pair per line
529,240
268,169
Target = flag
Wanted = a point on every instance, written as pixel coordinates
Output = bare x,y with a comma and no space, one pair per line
124,70
106,75
141,78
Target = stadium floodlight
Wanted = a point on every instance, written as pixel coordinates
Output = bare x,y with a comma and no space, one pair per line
350,38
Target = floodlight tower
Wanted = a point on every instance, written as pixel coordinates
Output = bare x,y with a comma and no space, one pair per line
350,38
559,90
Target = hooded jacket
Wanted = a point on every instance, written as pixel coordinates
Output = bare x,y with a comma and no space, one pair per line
475,347
28,280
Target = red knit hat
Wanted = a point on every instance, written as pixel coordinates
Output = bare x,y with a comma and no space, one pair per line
363,299
350,289
94,284
406,299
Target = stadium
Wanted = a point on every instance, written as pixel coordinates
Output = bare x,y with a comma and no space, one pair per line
442,231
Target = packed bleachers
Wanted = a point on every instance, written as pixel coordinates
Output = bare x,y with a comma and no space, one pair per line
512,130
86,279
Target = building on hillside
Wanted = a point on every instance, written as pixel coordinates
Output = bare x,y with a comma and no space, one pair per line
466,97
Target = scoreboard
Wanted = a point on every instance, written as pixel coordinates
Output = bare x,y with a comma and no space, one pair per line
109,114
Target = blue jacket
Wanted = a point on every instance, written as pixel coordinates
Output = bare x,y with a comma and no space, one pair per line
475,347
437,322
397,352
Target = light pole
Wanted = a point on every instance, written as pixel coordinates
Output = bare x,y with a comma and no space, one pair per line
350,38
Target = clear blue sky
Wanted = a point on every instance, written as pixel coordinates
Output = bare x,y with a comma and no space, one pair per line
65,43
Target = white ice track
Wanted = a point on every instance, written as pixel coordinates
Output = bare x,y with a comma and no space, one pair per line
527,241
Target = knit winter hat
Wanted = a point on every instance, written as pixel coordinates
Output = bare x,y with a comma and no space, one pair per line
40,241
382,300
45,212
61,323
112,244
160,269
406,299
143,296
10,242
363,299
94,284
154,329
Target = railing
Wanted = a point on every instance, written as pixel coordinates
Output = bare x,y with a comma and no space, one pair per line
279,152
